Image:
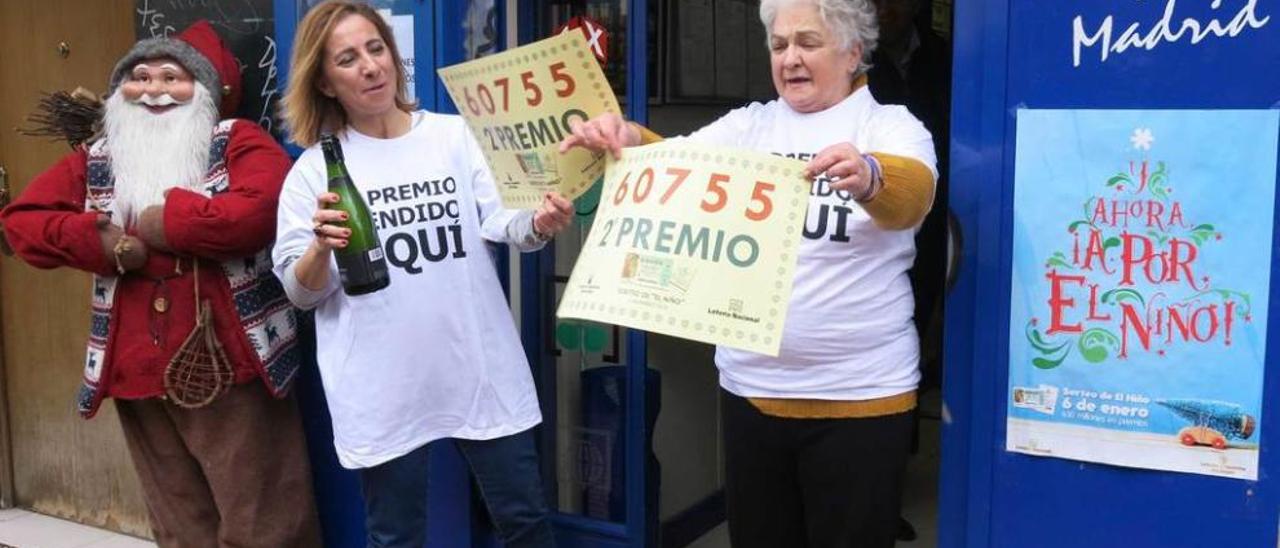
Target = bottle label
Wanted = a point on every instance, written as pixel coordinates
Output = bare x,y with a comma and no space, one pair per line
375,254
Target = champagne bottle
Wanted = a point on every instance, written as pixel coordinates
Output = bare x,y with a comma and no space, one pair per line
361,264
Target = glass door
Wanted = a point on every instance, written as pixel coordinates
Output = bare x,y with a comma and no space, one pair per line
598,397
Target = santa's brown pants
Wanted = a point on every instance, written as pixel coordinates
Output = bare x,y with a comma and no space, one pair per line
233,473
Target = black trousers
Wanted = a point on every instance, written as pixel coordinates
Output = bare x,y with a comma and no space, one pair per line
815,483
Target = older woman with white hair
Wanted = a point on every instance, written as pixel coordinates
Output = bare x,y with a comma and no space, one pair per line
816,439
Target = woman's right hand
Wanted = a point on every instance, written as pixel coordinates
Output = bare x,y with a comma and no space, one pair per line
328,235
607,131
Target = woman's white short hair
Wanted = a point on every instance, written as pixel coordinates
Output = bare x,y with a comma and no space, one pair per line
851,21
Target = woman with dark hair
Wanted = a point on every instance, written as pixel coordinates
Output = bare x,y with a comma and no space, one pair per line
435,355
816,439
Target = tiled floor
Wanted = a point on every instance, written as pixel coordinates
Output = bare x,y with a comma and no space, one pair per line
23,529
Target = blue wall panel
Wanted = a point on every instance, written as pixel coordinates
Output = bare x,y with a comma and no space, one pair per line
1013,54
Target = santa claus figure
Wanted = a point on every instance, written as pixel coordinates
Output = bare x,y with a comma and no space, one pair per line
172,208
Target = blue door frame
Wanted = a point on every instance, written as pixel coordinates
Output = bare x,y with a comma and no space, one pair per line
1017,54
438,40
538,310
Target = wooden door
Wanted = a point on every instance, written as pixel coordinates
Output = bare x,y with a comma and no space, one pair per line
59,464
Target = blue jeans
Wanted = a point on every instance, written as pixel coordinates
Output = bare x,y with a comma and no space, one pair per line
506,471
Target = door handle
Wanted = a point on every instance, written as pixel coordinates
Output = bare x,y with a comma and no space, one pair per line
955,249
4,201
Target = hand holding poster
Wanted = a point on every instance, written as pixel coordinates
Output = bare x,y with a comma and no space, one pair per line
519,104
693,241
1141,280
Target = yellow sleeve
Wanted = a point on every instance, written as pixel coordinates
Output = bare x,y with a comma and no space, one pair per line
835,409
647,136
906,196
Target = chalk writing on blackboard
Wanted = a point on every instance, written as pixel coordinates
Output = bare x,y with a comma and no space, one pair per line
152,21
267,93
247,27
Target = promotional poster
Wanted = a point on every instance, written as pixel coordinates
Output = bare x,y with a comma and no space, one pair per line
1140,284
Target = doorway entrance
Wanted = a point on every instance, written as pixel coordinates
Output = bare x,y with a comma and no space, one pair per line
632,439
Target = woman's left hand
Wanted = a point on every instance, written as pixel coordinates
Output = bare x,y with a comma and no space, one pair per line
846,167
555,214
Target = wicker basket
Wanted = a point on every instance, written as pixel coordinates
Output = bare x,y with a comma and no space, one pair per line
200,371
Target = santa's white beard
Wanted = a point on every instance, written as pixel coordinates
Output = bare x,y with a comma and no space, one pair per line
151,153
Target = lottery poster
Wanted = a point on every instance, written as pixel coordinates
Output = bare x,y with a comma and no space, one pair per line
519,105
693,241
1140,284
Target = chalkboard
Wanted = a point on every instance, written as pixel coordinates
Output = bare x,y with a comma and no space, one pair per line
248,28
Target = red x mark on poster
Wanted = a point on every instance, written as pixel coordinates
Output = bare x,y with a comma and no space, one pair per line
597,36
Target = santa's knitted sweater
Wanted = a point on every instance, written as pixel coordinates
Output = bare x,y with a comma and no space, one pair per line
227,226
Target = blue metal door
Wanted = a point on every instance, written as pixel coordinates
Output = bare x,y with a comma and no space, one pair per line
1012,54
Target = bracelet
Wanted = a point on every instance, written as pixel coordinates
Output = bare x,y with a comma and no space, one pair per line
877,180
538,235
122,246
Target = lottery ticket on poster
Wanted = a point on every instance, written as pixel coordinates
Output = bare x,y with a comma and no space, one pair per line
693,241
519,105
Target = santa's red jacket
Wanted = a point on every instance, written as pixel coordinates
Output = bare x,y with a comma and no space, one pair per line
229,229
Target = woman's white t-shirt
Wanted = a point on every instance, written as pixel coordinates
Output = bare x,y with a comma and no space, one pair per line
436,354
848,333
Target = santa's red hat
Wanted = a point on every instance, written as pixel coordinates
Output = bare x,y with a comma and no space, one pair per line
200,51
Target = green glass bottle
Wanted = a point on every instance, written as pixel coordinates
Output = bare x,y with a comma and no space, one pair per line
362,264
